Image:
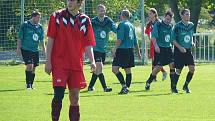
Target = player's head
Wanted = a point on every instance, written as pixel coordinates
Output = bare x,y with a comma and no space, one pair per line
125,14
74,4
101,9
153,14
35,17
168,17
185,15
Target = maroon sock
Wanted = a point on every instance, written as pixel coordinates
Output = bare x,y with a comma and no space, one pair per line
74,113
56,108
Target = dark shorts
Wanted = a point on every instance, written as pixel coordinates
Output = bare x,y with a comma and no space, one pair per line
163,58
182,59
124,58
30,57
99,56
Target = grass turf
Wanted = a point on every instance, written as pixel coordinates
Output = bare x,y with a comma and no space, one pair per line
158,104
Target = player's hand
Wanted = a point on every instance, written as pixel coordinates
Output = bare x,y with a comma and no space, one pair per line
48,67
18,51
183,50
157,49
93,67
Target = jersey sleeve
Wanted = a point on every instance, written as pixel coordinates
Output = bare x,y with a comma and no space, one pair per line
89,38
148,29
52,28
120,32
155,31
21,31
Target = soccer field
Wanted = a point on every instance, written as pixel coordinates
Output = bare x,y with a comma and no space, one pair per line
18,104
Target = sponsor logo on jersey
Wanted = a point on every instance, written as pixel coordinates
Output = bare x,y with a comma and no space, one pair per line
35,37
103,34
187,39
167,38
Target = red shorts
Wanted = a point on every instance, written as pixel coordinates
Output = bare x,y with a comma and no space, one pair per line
71,78
151,54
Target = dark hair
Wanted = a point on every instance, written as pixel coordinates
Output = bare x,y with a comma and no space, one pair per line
35,13
126,13
184,10
169,13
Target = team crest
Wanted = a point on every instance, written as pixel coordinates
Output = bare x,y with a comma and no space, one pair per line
103,34
35,37
167,38
59,80
187,39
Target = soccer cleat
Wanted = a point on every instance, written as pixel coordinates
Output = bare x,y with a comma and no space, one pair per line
147,87
32,87
164,75
174,90
90,89
186,89
155,80
124,90
107,89
28,86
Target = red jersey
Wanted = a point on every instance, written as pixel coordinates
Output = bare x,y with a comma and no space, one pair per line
71,35
148,29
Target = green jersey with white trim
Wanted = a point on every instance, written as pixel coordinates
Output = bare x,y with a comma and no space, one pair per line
183,34
101,31
30,36
163,34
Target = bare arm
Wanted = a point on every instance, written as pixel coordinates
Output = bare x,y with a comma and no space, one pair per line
117,44
43,47
175,43
89,53
138,52
18,49
48,66
154,41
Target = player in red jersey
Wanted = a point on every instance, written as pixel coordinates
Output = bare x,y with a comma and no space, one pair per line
153,18
70,34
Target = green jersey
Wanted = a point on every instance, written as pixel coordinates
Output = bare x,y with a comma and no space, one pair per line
101,32
183,34
163,34
30,36
126,33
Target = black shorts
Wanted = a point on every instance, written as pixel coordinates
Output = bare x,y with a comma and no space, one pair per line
163,58
99,56
182,59
30,57
124,58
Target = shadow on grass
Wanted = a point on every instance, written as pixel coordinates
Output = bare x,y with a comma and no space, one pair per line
89,95
37,81
136,91
143,82
98,95
66,93
11,90
160,94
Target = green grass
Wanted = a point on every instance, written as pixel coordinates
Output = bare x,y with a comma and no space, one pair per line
18,104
